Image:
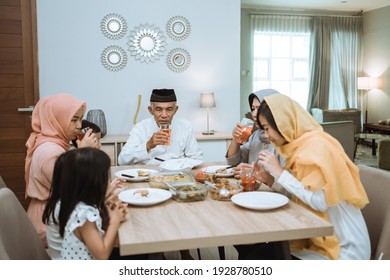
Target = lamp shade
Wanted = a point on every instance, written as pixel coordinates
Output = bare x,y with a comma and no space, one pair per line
207,100
366,83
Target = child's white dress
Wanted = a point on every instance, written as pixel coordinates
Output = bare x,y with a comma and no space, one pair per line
72,247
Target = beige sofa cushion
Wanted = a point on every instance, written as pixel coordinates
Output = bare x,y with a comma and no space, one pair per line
384,154
18,237
377,212
344,133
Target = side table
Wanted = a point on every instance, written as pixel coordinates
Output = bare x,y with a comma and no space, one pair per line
369,136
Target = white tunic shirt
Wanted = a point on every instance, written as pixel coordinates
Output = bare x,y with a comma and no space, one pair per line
348,222
182,143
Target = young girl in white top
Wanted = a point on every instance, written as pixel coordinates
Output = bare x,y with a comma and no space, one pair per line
76,210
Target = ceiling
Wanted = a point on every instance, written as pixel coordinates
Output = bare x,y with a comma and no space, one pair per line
309,5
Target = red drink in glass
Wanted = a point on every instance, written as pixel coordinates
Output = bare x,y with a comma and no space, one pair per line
167,130
248,180
248,184
246,126
246,132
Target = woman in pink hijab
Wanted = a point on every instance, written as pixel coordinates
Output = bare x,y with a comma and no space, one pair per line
55,121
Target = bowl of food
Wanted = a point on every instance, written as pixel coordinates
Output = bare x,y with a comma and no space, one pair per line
202,176
189,193
231,189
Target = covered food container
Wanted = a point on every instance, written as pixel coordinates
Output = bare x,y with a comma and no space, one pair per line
183,186
174,178
187,193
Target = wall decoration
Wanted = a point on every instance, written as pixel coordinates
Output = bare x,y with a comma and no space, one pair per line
113,26
147,43
114,58
178,60
178,28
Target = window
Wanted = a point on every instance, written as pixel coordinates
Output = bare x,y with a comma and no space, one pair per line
281,62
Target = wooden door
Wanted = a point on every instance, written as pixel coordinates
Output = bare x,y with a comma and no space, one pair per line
18,88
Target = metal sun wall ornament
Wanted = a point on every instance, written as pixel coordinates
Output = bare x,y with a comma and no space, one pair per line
113,26
114,58
147,43
178,28
178,60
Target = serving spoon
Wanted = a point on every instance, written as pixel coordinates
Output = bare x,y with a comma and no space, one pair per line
223,192
171,188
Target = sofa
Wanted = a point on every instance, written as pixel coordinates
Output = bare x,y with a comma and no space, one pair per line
384,154
322,116
344,132
377,213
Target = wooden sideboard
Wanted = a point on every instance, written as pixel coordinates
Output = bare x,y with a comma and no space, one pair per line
376,128
214,146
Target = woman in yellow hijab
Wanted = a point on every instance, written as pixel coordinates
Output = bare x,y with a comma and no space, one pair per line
319,176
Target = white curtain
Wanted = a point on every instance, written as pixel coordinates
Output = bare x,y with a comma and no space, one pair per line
345,39
335,62
280,23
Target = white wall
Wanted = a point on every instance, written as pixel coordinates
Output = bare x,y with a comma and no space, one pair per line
376,61
70,44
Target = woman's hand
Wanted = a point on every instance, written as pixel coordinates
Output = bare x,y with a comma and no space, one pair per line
237,131
270,163
263,176
237,169
89,140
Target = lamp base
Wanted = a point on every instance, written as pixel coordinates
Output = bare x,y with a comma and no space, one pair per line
208,133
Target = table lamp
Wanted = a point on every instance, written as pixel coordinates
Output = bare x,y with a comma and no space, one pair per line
366,83
207,101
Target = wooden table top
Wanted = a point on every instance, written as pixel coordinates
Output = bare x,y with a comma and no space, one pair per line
172,225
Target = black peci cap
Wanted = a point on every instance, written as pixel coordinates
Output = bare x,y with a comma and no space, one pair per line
163,95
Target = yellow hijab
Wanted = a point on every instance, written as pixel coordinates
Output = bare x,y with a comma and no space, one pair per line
318,161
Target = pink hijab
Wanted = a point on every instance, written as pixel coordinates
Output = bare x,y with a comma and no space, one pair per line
50,121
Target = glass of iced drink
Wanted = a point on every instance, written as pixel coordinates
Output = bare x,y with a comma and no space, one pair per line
247,126
166,128
248,180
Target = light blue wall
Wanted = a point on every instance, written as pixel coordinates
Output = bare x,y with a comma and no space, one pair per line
70,43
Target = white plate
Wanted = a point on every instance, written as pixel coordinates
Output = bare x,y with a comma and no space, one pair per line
180,164
259,200
214,168
155,196
133,172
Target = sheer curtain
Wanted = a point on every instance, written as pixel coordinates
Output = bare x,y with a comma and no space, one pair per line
334,62
280,52
334,55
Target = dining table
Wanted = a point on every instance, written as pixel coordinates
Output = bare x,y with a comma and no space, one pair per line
172,225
